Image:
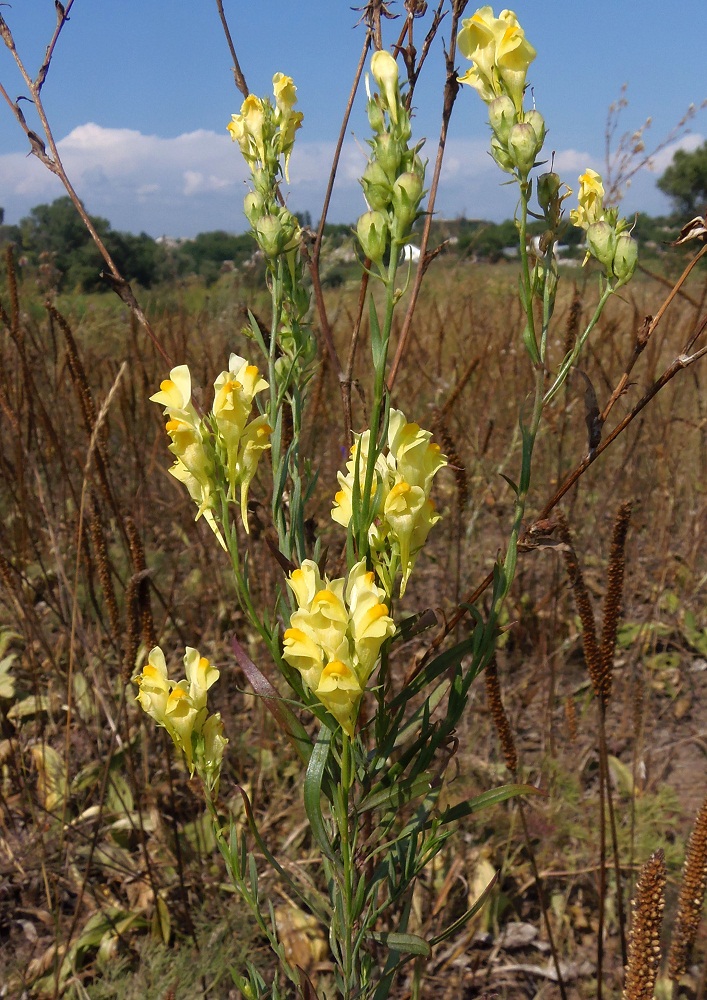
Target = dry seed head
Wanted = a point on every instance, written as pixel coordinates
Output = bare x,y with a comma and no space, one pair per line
137,555
573,318
461,478
583,603
691,899
612,600
644,940
571,718
100,548
500,719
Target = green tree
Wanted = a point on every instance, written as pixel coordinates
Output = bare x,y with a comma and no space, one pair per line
685,180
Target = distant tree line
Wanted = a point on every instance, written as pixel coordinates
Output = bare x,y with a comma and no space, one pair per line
53,244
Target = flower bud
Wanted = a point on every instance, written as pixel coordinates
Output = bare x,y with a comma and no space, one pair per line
537,121
373,235
375,115
548,188
522,147
601,241
407,194
625,258
276,233
500,155
376,186
389,152
253,206
502,117
385,72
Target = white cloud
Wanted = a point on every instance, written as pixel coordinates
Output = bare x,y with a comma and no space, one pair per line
195,182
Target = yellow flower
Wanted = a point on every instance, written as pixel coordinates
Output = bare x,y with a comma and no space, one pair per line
500,53
154,686
288,120
234,391
200,675
340,692
335,636
255,440
304,654
180,707
175,391
403,482
247,129
591,200
370,623
180,719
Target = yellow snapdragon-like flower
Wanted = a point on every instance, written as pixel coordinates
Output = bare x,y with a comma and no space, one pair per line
180,707
247,130
264,133
335,636
500,53
591,200
215,456
403,479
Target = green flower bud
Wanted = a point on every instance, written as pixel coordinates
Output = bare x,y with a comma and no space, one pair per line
522,147
502,117
373,235
276,233
262,182
253,205
548,188
536,120
388,150
625,258
601,241
376,186
407,195
500,155
376,118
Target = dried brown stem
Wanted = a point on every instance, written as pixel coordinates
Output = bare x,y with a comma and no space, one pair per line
451,89
52,161
238,76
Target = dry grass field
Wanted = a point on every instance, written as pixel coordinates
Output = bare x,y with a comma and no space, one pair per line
110,885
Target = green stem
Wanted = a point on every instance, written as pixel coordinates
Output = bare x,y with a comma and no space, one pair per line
379,391
575,352
347,865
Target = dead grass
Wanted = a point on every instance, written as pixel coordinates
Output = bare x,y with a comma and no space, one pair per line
98,820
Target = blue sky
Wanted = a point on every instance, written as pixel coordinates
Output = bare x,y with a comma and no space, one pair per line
140,91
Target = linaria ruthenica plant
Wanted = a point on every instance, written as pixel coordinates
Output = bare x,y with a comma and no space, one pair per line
373,756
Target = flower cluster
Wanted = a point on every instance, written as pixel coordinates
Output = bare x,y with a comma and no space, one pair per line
394,177
335,636
608,240
180,707
265,133
500,55
220,454
403,512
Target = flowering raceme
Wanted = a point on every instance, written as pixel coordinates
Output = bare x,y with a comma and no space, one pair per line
180,707
335,636
608,240
404,513
221,454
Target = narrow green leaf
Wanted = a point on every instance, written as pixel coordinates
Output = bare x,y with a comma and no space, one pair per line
313,791
486,800
408,944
